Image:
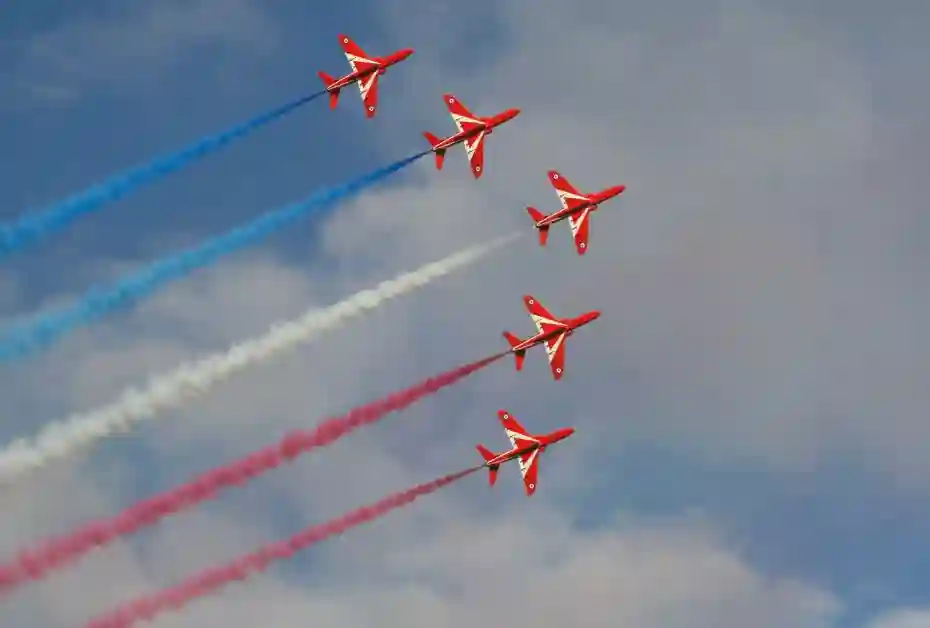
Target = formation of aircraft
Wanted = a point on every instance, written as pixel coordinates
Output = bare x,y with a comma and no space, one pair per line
366,71
526,449
551,331
576,207
472,130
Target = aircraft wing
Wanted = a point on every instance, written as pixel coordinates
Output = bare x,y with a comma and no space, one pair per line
358,60
555,349
464,119
545,322
368,87
568,195
529,468
519,437
475,148
580,224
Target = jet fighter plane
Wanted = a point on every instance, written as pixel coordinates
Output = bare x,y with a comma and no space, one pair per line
551,330
472,131
366,70
576,207
527,448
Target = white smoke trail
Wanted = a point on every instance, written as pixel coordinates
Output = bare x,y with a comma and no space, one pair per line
196,378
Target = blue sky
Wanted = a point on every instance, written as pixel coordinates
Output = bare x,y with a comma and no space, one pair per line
752,401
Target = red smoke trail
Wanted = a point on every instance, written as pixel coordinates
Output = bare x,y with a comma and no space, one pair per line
199,585
36,563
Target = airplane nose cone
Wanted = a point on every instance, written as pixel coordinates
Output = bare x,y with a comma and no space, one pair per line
513,113
596,314
406,53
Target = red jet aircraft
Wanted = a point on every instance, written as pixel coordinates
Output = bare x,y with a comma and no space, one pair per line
552,331
575,206
526,449
472,130
366,71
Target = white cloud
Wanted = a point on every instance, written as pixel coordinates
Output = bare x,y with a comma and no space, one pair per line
744,277
903,618
452,568
134,45
763,295
445,557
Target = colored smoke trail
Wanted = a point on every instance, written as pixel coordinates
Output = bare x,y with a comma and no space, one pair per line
44,329
206,582
194,379
54,554
33,226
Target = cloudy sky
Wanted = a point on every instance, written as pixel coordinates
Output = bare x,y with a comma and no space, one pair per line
752,407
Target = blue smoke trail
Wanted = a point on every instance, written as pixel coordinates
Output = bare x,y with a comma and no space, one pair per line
46,328
33,226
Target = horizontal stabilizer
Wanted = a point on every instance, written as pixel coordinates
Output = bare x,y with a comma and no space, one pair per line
434,142
333,94
326,78
515,342
488,455
537,216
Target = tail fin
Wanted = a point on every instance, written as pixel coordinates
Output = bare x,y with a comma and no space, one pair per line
434,141
515,342
334,94
488,455
537,215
